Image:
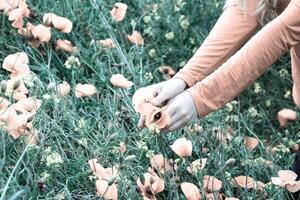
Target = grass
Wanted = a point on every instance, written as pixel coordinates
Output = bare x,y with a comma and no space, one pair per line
82,129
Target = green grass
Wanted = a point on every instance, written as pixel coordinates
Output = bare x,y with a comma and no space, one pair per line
59,120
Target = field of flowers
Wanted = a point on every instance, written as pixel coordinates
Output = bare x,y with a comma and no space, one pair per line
68,129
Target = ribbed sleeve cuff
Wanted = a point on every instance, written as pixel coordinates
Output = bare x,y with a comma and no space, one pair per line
188,80
198,101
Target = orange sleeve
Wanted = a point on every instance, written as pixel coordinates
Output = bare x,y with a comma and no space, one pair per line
295,55
231,31
248,63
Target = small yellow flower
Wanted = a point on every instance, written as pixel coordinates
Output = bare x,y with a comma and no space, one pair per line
170,35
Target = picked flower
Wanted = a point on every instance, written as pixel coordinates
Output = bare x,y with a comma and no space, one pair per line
136,38
118,80
118,12
160,163
190,191
60,23
64,88
85,90
65,45
182,147
286,115
287,179
150,185
167,71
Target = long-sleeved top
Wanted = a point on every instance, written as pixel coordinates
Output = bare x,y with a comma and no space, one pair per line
222,67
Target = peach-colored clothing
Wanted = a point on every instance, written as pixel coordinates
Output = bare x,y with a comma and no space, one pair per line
214,80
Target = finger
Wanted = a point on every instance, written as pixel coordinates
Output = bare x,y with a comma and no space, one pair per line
171,110
141,123
175,118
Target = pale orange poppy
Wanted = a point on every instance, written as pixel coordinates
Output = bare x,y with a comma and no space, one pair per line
190,191
16,15
107,43
182,147
85,90
64,88
118,80
160,163
212,184
167,71
287,179
286,115
65,45
60,23
136,38
152,184
106,191
250,142
17,64
118,12
244,182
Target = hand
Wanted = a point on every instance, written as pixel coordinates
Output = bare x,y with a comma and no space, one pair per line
164,91
182,111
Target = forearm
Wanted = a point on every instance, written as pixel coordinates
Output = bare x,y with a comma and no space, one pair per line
295,55
230,32
249,63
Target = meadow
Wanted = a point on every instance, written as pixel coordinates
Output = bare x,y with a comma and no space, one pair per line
71,130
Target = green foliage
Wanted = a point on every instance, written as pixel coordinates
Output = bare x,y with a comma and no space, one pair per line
73,130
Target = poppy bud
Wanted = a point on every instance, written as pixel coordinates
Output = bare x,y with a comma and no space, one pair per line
16,84
3,86
130,158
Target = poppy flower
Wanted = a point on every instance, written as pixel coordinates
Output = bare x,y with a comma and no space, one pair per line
250,142
286,115
287,179
17,124
106,191
197,165
244,182
101,172
60,23
136,38
65,45
28,105
153,115
167,71
42,33
160,163
182,147
3,104
212,184
16,88
16,15
85,90
151,184
107,43
214,196
118,80
63,88
17,64
190,191
7,5
118,12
